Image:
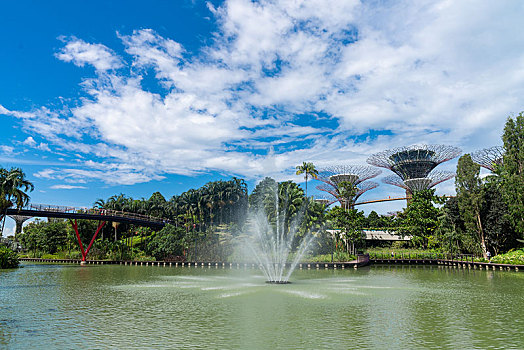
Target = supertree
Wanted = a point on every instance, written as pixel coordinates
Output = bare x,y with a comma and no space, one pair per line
414,185
332,178
414,165
489,157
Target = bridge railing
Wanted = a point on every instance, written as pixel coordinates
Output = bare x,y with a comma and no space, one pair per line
94,211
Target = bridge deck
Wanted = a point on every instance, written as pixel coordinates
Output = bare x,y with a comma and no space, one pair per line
50,211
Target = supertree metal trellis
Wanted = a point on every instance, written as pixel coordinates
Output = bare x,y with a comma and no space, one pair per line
414,165
334,192
489,157
414,185
415,161
351,173
355,174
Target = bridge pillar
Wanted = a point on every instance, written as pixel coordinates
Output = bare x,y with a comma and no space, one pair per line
75,228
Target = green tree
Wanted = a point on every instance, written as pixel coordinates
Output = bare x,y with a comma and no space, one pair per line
347,192
45,236
8,258
13,188
420,218
471,198
499,231
264,191
373,220
308,169
167,243
511,171
452,232
351,223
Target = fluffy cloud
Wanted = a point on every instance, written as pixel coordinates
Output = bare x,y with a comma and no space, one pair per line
283,82
66,187
81,53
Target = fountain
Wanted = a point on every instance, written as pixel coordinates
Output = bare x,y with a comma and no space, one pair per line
271,239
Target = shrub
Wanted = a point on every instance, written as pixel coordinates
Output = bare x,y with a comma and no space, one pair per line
8,258
515,257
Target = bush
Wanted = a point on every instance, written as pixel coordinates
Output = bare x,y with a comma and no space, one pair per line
337,257
515,257
50,256
169,241
8,258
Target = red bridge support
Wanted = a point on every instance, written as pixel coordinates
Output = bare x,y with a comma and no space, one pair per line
75,227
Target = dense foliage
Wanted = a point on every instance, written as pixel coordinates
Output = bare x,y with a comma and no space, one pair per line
350,222
13,188
514,257
511,171
487,215
167,244
420,219
8,258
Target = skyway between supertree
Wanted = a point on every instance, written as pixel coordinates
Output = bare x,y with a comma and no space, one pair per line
414,162
489,157
414,185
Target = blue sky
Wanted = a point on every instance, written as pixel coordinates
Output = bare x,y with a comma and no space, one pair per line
104,97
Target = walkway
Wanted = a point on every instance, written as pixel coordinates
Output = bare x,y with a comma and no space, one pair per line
55,211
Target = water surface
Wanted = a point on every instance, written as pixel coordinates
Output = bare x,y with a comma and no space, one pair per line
137,307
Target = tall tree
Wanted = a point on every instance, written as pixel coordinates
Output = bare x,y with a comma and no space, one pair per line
470,198
264,189
420,218
13,188
351,223
511,172
308,169
498,229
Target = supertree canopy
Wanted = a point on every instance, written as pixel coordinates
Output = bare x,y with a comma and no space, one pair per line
414,185
489,157
336,196
333,176
354,174
414,162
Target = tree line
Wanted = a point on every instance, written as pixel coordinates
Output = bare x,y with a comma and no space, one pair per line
486,215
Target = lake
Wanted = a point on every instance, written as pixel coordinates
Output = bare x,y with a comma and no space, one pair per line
137,307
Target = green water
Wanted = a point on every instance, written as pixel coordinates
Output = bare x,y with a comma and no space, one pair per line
138,307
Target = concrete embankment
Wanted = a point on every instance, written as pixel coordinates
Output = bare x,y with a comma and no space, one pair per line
362,261
451,263
306,265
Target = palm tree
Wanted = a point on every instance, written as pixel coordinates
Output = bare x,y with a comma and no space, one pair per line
308,169
13,188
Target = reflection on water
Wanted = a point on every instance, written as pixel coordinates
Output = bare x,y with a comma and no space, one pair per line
57,307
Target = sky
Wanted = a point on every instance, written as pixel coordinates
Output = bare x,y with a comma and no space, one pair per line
105,97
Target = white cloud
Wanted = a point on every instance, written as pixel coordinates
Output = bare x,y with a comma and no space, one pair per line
7,150
33,144
308,78
66,187
81,53
29,142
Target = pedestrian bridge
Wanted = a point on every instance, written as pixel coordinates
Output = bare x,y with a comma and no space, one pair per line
73,213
